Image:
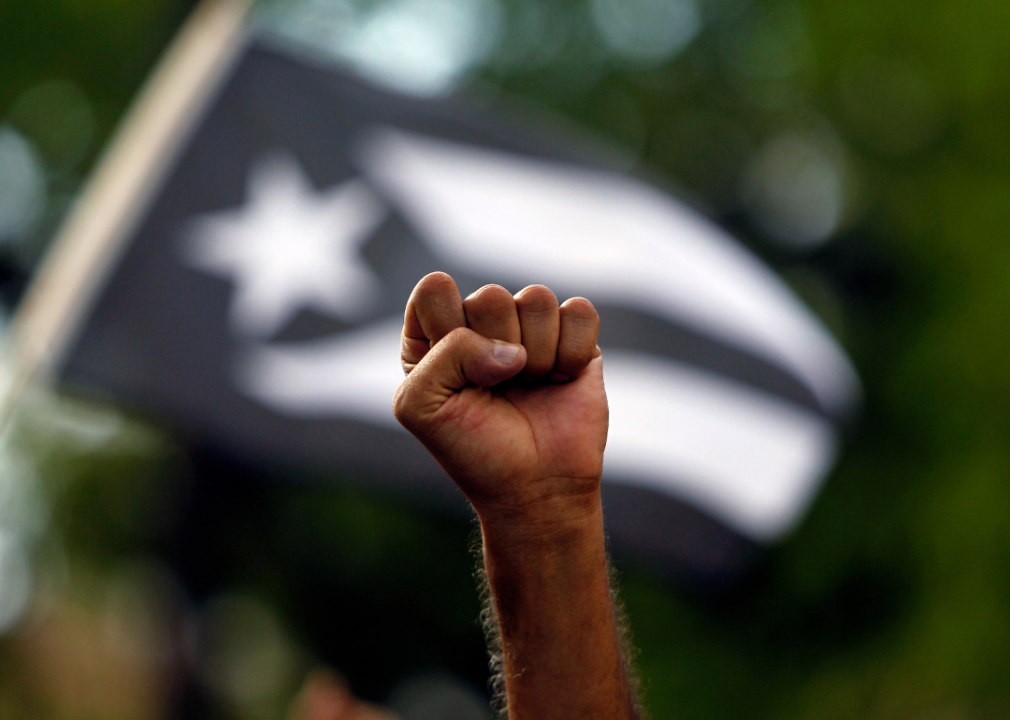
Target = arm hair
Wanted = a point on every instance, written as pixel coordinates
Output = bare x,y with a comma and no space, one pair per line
492,636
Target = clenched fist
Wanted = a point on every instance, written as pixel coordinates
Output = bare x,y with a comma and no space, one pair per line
506,392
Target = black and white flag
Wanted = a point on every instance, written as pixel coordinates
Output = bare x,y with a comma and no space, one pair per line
257,299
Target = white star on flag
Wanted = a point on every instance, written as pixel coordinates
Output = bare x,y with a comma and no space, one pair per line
291,246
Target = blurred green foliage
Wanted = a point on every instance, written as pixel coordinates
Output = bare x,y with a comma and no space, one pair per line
892,600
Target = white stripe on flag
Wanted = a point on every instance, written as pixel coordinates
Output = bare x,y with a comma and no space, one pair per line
745,456
609,237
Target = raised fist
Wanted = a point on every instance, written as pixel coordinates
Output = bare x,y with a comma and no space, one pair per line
506,392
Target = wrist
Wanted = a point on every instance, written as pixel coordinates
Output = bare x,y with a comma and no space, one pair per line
547,523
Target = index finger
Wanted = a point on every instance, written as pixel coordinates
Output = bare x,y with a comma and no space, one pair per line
433,311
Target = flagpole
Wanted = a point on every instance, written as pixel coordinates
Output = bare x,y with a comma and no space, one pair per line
121,187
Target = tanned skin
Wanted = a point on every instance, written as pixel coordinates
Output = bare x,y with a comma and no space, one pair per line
506,392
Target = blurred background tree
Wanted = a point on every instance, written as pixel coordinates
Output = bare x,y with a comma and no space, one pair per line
861,148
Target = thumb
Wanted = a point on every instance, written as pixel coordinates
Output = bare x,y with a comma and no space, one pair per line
461,358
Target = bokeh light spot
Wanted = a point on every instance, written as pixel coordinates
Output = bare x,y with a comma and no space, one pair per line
245,657
22,185
794,189
15,580
422,47
648,31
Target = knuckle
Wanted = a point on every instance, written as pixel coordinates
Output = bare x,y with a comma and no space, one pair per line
434,290
490,300
408,405
455,342
457,336
536,299
435,281
578,308
490,289
401,403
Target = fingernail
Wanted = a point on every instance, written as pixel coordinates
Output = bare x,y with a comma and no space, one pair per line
557,377
505,353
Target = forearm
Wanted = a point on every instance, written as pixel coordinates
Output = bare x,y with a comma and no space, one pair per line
549,583
507,393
